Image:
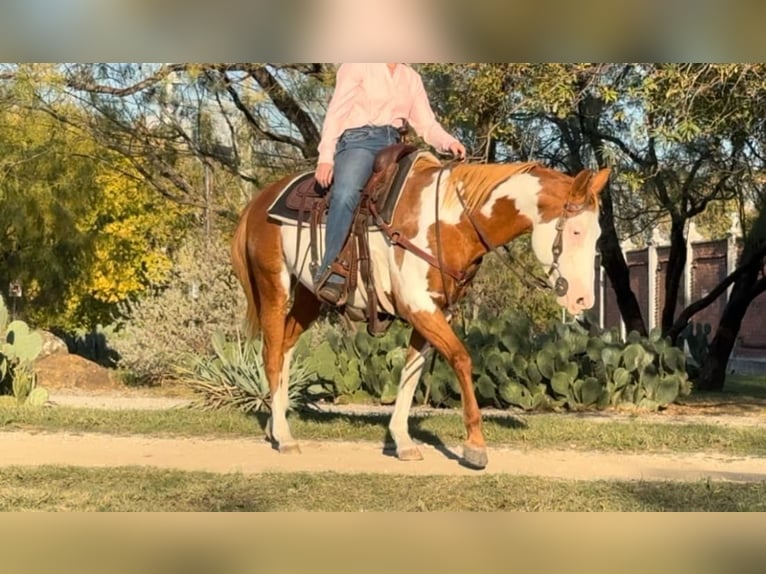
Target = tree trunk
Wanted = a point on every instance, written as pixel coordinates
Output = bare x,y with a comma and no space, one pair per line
613,261
713,371
675,270
612,258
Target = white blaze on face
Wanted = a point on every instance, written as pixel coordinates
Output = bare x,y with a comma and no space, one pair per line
577,261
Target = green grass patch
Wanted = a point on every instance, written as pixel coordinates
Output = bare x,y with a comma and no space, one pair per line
140,489
745,386
526,431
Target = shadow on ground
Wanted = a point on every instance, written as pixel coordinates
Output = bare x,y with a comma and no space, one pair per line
418,430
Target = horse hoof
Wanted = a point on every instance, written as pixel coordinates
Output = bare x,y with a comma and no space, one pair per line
289,448
474,456
409,453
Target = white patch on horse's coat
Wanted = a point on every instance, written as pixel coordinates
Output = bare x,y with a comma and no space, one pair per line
577,261
522,189
412,278
301,268
543,235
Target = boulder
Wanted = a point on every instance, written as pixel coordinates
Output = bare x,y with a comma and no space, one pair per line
52,345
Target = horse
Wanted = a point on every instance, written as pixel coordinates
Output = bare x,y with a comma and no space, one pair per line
453,215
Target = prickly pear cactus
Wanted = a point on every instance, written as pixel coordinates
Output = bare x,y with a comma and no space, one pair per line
19,346
21,343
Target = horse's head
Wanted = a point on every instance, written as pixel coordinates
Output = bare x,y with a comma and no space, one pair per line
565,239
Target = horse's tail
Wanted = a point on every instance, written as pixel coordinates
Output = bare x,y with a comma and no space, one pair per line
242,268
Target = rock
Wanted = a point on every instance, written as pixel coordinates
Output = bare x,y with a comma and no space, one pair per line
68,371
52,345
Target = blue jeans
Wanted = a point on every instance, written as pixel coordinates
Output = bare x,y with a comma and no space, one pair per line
354,158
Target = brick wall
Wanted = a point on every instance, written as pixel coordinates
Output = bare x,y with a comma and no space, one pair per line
708,265
708,268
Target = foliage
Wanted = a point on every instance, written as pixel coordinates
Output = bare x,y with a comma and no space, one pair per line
513,365
564,367
133,233
696,338
200,295
498,287
45,185
19,348
83,232
355,362
234,377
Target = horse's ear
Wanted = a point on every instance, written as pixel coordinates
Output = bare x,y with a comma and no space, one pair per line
579,191
598,181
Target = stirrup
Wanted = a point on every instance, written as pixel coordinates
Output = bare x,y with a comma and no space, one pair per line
332,294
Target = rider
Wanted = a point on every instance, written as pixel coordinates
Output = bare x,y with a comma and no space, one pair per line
371,102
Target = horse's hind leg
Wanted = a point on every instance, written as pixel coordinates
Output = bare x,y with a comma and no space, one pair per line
304,311
273,287
406,449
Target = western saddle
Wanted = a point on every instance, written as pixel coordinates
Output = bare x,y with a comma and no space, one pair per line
379,198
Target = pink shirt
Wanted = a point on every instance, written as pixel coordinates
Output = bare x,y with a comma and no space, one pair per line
368,94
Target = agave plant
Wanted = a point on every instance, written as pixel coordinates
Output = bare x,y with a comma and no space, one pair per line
234,377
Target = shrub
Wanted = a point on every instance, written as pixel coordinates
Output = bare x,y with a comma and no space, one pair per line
355,363
498,287
176,319
695,337
563,367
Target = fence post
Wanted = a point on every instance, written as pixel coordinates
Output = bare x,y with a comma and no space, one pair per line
731,259
688,272
652,268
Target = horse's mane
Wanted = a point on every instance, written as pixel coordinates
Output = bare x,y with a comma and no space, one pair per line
474,182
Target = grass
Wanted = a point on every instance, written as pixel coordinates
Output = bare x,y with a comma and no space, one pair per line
532,431
141,489
738,385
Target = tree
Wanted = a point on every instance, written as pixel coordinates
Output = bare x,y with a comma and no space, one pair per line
82,232
255,121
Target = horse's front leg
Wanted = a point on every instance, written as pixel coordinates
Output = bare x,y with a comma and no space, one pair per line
435,329
406,449
302,314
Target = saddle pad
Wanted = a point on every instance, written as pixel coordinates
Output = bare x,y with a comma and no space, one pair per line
287,206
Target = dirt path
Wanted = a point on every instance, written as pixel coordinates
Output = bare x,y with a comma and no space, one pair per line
255,456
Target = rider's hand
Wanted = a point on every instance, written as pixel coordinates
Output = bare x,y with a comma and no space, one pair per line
323,174
457,150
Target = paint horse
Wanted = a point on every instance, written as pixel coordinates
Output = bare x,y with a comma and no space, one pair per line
455,213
